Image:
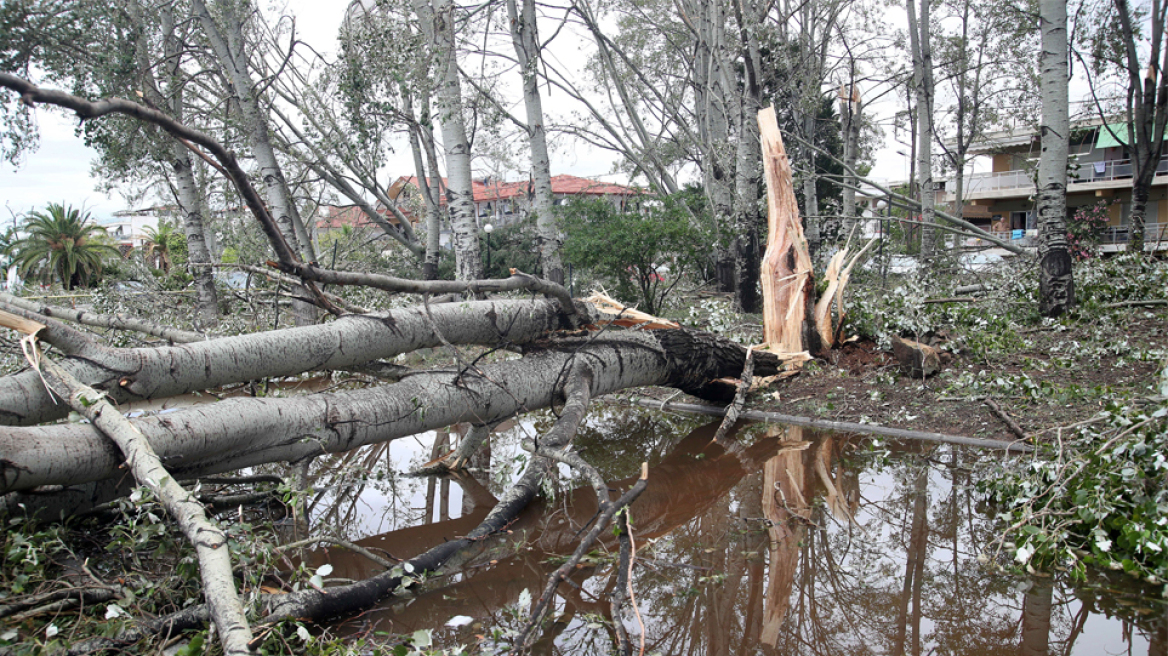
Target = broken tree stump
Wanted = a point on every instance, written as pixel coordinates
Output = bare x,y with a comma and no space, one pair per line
788,281
916,359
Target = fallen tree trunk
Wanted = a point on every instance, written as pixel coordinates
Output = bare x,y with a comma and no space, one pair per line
352,340
237,433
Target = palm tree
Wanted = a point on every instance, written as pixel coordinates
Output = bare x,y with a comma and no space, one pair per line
61,242
157,246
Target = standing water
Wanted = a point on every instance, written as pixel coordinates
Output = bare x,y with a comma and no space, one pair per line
784,541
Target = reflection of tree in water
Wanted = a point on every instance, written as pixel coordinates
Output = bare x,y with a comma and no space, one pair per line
769,548
616,439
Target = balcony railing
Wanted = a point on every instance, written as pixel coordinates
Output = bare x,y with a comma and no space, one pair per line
1119,169
1153,233
984,182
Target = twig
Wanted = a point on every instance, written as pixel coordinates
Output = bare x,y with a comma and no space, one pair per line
1001,414
13,606
116,321
733,410
1145,303
351,546
842,426
955,299
561,573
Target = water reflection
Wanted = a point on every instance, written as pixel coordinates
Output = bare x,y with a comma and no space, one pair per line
784,542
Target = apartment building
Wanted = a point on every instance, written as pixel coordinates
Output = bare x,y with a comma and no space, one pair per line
1100,169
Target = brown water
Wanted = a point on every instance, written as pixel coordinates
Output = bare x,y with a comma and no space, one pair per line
795,543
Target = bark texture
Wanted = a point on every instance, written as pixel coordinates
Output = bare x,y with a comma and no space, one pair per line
146,373
227,42
209,540
1056,293
437,22
242,432
525,38
922,58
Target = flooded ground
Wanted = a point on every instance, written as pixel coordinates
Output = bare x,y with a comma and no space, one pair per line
790,543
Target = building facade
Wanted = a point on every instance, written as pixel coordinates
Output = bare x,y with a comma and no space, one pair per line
1100,170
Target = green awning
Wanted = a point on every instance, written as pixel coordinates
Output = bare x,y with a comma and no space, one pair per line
1105,140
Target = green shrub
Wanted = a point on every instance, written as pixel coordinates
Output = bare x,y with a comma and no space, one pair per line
640,255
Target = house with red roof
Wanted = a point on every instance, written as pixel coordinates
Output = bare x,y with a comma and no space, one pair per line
501,203
495,201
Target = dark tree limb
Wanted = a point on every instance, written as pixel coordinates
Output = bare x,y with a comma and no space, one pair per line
31,94
518,281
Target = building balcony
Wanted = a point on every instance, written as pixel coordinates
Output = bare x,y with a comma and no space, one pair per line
1086,176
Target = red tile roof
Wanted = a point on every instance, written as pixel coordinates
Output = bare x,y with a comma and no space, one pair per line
563,185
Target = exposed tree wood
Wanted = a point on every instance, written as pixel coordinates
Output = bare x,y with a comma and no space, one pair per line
916,359
619,314
840,426
237,433
838,272
792,321
788,281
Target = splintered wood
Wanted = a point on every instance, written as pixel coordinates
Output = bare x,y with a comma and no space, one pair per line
626,316
793,323
788,283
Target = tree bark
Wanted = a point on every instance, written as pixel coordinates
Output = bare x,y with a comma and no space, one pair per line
238,433
437,21
227,42
1056,288
147,373
749,172
1147,109
850,109
922,57
528,52
209,540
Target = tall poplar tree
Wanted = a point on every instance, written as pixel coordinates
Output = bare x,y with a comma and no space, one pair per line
1056,284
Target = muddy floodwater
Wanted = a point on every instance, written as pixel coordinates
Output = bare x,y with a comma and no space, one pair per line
786,542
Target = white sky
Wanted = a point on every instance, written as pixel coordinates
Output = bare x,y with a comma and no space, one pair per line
59,170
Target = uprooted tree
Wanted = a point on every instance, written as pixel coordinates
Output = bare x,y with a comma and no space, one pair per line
571,352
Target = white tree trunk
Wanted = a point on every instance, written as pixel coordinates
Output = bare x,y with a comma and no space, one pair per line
230,52
1056,284
238,433
525,38
437,21
850,109
922,56
352,340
